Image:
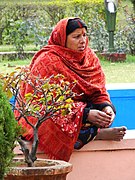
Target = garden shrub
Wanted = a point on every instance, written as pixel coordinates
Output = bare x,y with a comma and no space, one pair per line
130,33
85,8
17,35
32,22
55,11
125,33
133,2
8,132
97,33
13,12
51,11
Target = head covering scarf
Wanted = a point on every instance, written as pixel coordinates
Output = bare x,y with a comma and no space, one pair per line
73,24
82,66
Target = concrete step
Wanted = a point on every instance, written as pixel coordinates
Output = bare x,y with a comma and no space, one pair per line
102,160
105,160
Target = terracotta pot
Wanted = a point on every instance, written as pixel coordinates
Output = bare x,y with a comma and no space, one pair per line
51,170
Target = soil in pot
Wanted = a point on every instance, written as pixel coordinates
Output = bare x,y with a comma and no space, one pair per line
49,170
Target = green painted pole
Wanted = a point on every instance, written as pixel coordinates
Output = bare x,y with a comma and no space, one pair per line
111,41
111,11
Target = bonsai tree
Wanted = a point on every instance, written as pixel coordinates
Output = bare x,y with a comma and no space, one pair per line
51,97
8,133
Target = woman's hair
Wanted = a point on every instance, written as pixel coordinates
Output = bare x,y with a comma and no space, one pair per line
73,24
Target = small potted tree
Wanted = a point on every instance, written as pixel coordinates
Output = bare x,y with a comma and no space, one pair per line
51,97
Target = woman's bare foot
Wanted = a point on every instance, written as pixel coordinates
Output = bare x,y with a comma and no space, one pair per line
114,134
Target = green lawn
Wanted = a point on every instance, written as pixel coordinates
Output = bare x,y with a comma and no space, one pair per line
9,48
119,72
9,66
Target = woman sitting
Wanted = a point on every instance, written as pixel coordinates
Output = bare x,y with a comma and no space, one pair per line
68,53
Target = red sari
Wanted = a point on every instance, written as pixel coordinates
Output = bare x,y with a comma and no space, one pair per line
82,66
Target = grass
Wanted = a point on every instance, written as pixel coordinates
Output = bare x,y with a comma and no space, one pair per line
9,66
8,48
118,72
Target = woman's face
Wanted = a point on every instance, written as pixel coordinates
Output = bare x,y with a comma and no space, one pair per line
77,39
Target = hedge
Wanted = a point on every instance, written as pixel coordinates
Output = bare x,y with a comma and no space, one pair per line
30,21
50,11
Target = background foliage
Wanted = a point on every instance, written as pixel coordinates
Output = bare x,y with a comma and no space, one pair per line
31,22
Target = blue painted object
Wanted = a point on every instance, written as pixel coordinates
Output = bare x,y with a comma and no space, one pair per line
12,102
124,101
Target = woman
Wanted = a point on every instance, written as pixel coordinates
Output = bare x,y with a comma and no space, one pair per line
68,53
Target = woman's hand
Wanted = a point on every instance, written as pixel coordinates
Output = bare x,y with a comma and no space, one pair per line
101,118
108,110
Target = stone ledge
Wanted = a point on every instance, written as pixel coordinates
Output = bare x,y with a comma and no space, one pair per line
114,56
125,144
100,160
12,55
128,143
120,86
14,52
101,145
